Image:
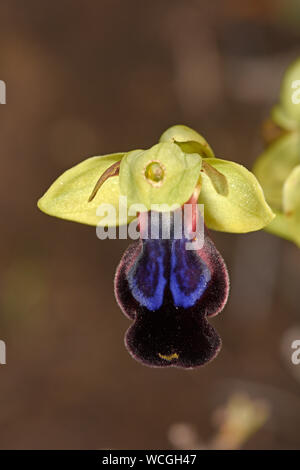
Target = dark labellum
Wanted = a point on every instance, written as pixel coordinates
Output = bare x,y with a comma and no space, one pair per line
169,292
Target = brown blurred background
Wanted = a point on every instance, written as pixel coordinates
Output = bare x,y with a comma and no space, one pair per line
90,77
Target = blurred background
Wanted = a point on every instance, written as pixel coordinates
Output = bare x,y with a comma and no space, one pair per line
92,77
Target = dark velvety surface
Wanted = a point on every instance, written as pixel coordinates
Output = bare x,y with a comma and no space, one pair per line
169,292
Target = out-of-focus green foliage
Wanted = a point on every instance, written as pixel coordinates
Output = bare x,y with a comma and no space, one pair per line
287,112
277,168
274,166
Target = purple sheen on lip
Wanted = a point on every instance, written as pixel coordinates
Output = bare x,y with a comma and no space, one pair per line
169,292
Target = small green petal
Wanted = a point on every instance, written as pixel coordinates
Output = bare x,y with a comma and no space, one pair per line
188,139
287,114
291,194
244,209
274,166
164,174
67,198
218,180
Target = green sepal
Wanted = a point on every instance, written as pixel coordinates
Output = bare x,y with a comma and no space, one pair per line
244,209
67,198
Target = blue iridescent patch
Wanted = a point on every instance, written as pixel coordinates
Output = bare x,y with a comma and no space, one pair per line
167,263
189,275
147,278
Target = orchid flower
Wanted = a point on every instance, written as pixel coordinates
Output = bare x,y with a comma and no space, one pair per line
168,291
